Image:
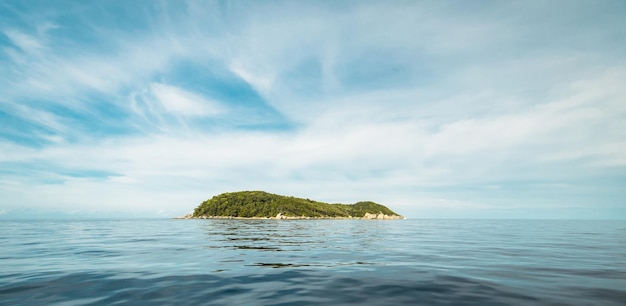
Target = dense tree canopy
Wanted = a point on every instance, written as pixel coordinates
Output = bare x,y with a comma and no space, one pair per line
263,204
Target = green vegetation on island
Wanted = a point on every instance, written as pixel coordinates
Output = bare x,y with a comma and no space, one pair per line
260,204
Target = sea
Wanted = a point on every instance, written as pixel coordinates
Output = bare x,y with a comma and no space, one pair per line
308,262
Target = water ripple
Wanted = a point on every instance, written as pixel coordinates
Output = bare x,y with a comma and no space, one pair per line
269,262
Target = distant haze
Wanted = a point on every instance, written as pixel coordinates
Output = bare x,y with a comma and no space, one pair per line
436,109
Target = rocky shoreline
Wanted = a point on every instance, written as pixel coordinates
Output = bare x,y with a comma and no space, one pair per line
367,216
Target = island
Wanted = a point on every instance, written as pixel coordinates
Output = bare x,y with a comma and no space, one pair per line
264,205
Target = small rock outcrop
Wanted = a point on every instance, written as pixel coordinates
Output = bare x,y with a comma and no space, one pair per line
381,216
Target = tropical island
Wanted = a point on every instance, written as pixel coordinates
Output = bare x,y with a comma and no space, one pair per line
264,205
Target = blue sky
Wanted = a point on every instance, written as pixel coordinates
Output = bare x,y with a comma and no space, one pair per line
438,109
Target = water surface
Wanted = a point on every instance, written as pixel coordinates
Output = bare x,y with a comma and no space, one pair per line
282,262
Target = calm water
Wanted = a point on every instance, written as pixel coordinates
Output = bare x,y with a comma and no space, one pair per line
253,262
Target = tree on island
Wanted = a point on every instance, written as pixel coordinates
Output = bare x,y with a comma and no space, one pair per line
250,204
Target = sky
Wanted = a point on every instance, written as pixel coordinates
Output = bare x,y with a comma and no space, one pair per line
437,109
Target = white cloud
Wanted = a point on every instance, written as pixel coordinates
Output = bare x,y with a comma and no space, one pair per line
346,154
260,82
179,101
27,43
47,119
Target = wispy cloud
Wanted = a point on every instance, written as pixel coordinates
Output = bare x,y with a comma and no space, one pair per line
440,110
24,42
179,101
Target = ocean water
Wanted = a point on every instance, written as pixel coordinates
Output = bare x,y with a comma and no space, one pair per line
295,262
